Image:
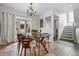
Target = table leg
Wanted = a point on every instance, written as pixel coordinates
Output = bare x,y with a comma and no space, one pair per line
39,48
43,45
48,42
41,42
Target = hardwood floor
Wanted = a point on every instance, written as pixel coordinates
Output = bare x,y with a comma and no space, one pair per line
66,49
59,48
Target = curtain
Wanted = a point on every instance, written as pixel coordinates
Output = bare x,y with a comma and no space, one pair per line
7,27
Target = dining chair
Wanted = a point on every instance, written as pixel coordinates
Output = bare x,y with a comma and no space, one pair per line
26,45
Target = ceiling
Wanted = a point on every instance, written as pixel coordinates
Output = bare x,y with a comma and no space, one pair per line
43,7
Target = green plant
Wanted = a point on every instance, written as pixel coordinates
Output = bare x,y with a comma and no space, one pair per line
34,30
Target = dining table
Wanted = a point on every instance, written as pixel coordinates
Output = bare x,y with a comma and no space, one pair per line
40,38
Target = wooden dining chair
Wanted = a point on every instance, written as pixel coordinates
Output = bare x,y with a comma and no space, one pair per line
26,45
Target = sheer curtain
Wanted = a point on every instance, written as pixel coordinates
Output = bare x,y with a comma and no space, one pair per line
7,27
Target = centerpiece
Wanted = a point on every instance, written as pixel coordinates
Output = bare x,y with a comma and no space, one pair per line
34,31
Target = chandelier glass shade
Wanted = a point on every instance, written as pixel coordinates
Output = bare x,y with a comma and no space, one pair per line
30,11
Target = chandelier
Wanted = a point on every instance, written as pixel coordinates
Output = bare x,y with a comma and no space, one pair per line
30,11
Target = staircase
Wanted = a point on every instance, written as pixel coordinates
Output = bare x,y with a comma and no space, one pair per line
67,34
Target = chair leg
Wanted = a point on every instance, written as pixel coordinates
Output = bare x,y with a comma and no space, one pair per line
45,43
18,48
36,43
30,51
25,52
48,43
34,51
39,49
21,51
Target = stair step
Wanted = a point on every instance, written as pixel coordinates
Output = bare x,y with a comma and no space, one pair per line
66,38
72,41
68,27
66,35
68,31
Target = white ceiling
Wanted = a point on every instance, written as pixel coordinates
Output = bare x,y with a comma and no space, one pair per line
43,7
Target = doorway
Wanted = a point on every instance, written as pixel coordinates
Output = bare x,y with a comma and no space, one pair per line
21,26
56,26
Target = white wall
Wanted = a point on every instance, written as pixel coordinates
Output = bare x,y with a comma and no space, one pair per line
48,26
46,14
76,17
70,18
62,23
77,35
76,21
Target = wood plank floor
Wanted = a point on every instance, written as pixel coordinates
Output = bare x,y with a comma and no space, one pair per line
58,48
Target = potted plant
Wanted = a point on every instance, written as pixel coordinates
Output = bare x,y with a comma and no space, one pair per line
34,31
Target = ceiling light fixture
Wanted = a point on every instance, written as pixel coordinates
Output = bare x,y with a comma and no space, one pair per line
31,11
